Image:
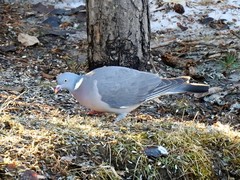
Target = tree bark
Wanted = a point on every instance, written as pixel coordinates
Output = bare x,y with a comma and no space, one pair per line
118,33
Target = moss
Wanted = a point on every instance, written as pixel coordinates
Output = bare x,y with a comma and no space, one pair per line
192,155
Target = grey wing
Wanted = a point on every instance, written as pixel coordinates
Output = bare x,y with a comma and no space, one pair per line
169,86
122,87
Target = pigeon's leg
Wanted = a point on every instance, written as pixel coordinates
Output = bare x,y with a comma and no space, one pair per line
120,117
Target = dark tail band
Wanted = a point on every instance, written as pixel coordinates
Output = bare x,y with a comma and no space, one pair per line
196,88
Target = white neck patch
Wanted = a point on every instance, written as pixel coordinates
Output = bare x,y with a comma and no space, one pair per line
78,84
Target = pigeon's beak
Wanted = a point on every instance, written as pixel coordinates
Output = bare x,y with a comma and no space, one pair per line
57,89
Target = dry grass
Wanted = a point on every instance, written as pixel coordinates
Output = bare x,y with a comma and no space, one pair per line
93,147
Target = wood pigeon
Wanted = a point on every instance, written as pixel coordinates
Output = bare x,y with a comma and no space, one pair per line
120,90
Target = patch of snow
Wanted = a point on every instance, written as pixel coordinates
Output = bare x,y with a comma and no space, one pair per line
162,19
69,4
61,4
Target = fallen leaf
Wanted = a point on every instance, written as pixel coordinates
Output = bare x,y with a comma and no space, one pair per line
27,40
178,8
31,175
183,28
47,76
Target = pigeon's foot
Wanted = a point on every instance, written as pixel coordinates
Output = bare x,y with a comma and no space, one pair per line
120,117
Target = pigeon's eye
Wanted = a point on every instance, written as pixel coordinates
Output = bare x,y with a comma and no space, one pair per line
65,80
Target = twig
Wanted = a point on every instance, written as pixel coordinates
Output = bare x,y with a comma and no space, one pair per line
136,166
235,34
196,115
154,68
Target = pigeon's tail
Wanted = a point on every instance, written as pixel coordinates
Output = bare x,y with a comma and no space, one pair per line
176,85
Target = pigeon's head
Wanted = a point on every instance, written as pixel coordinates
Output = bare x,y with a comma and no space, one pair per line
67,81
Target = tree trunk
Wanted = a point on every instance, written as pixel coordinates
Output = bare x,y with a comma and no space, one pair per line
118,33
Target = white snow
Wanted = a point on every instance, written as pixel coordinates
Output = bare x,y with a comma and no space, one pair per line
58,4
68,4
161,20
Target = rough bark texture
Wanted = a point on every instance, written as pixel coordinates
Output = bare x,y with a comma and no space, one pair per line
118,33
